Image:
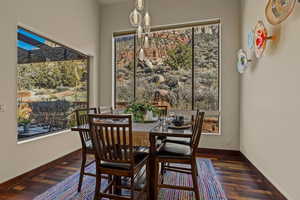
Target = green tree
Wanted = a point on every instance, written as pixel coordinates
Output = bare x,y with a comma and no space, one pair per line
179,57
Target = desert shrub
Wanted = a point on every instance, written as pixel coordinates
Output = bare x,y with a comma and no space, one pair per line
51,75
179,57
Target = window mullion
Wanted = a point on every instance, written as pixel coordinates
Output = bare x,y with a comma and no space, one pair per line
134,68
115,74
193,68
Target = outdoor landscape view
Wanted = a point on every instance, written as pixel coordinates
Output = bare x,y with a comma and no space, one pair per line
52,82
167,71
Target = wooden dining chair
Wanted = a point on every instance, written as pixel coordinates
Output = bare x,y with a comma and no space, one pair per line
86,142
184,141
180,140
115,156
180,154
162,110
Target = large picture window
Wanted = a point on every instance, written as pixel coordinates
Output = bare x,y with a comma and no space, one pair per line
52,81
182,67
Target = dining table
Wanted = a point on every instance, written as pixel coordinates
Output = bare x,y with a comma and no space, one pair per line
147,134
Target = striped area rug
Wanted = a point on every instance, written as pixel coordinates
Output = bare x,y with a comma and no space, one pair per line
209,186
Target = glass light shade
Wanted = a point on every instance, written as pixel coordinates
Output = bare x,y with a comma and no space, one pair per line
146,42
135,18
142,54
140,31
140,4
147,29
147,19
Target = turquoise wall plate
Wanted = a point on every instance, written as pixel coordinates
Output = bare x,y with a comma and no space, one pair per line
250,40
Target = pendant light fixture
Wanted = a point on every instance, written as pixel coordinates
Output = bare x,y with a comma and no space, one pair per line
147,30
146,41
147,19
139,32
135,18
140,5
142,54
140,19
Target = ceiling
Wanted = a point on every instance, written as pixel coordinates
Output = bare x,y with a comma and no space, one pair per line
110,1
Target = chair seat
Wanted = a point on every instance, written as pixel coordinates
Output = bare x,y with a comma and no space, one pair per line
138,158
170,149
179,140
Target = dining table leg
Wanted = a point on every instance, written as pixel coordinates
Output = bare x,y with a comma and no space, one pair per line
152,166
118,191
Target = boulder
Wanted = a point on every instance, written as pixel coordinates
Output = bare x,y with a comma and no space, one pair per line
158,79
172,82
163,92
149,64
184,78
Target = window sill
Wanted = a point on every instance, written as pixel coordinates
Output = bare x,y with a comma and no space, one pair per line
69,130
42,137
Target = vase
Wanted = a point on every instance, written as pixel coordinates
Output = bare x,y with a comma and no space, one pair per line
148,116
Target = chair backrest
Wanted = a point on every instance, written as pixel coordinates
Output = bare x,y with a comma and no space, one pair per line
112,137
197,129
83,119
163,110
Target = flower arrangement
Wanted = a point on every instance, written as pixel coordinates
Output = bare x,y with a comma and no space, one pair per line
140,109
24,113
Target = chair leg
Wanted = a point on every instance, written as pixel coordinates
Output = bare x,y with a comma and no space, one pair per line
97,195
147,180
162,170
109,180
156,179
83,162
195,180
132,187
117,182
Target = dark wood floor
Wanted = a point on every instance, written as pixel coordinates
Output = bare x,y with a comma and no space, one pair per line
238,178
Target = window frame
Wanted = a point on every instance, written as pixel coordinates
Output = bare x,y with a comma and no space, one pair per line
192,25
88,58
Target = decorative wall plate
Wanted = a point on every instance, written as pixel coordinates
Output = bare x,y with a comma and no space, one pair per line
278,10
260,38
243,61
250,39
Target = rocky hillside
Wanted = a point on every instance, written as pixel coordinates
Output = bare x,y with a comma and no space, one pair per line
168,68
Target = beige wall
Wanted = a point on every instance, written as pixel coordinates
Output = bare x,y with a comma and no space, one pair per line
270,102
72,22
115,18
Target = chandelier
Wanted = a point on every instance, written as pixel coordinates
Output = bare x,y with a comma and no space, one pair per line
140,19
